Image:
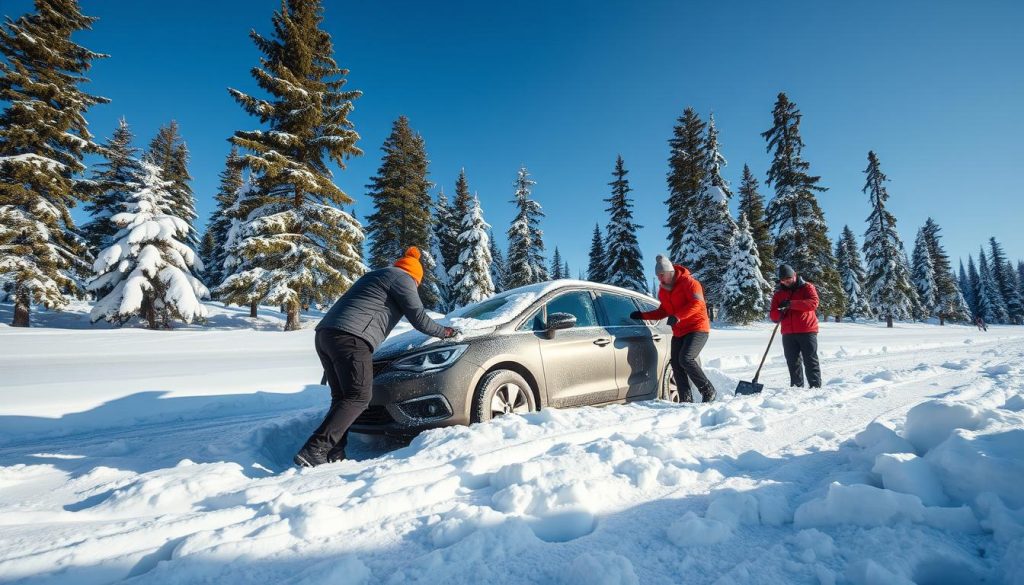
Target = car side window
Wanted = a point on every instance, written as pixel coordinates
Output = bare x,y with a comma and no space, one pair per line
617,309
534,323
577,304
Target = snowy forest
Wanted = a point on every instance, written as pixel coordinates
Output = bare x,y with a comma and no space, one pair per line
281,234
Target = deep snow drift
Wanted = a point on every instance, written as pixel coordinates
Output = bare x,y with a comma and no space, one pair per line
163,457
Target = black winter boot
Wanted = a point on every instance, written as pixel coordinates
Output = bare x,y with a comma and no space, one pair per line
708,394
313,453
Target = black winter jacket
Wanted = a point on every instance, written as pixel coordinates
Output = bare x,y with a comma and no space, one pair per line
376,303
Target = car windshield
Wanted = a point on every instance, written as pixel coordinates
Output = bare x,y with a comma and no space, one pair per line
486,310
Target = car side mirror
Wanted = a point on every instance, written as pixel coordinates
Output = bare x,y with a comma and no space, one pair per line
558,321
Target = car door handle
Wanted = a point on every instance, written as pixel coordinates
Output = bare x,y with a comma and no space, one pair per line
603,341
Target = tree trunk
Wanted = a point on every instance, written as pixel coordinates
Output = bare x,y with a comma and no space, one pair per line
888,321
21,311
839,319
149,311
942,321
252,310
293,323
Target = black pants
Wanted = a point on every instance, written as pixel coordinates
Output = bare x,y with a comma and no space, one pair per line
797,346
686,366
348,365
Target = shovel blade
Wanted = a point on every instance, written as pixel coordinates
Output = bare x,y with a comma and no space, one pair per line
749,388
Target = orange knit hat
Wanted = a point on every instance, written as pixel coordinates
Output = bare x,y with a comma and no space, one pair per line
411,264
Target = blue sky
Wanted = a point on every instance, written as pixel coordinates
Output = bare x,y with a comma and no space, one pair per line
935,88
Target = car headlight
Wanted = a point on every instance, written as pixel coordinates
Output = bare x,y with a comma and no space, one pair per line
432,360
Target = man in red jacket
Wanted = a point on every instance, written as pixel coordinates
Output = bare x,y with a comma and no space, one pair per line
794,304
682,297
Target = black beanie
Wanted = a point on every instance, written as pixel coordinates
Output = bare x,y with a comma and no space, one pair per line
786,271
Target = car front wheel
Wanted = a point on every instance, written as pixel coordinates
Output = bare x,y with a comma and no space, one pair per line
669,390
502,392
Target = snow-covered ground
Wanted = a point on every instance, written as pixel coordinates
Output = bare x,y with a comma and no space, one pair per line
164,457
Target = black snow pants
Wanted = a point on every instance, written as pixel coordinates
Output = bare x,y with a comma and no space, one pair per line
805,346
348,365
686,365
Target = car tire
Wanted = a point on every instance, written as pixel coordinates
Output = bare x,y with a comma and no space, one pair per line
502,392
669,391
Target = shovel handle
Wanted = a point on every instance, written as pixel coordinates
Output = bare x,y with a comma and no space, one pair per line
765,356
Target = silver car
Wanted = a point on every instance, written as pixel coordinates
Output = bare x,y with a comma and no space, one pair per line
561,343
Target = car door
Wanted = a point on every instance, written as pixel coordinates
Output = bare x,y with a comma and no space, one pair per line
635,346
579,364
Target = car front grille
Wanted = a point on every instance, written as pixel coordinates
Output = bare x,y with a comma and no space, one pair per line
375,415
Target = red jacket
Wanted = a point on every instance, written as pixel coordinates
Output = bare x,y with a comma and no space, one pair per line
685,302
800,317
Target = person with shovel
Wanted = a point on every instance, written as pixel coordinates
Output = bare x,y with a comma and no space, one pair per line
346,338
794,305
682,298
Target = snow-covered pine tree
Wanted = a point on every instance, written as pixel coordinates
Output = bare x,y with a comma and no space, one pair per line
746,295
497,264
556,266
951,303
169,152
148,268
596,268
247,199
525,238
1020,276
991,306
114,179
686,168
692,251
401,200
565,270
801,233
973,283
888,276
220,220
43,139
471,276
1005,282
207,249
922,271
624,260
715,224
1017,299
306,247
751,204
444,248
851,271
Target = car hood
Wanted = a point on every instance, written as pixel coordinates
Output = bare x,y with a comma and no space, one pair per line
408,341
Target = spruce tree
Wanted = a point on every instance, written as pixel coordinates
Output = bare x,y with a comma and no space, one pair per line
687,165
752,205
888,276
401,200
714,223
973,284
445,248
43,139
220,219
951,303
597,267
305,245
851,271
746,295
801,234
1015,306
964,284
565,270
991,305
115,179
923,275
1003,277
497,265
624,260
244,267
525,239
169,152
1020,276
147,268
471,276
207,250
556,266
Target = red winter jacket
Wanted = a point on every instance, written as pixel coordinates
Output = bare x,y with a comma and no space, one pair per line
686,302
800,317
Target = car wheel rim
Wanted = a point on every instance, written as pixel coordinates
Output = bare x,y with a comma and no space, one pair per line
509,398
672,392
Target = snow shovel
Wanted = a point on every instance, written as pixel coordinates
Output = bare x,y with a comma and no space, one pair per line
753,387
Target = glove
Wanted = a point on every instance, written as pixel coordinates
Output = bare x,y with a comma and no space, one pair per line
783,305
636,316
451,332
672,320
